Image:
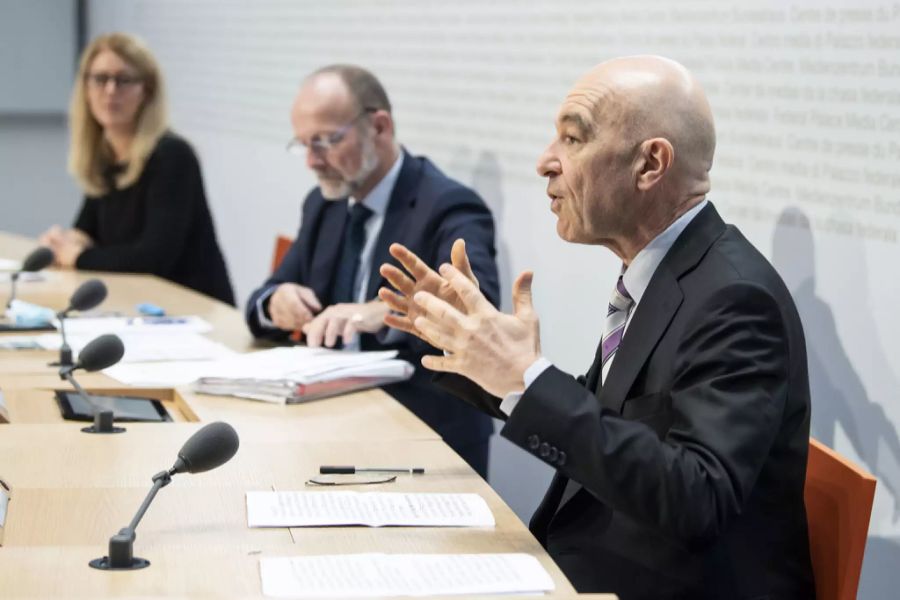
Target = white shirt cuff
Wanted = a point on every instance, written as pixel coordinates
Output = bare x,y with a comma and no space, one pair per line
265,321
531,373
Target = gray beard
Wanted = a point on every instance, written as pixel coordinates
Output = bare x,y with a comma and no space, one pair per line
350,184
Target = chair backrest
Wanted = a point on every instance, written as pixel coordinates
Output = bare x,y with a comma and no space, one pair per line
282,244
839,499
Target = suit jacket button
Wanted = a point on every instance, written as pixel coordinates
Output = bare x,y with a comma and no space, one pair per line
533,441
545,450
554,454
562,458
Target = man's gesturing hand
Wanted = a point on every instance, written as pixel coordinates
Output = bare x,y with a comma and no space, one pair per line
421,278
490,348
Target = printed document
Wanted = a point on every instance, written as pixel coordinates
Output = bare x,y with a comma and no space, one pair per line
373,509
367,575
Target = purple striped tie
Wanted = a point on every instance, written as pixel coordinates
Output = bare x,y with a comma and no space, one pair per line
616,317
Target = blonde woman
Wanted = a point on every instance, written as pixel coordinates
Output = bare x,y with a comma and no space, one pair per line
144,210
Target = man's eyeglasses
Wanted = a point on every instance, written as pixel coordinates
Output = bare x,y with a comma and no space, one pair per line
323,142
122,80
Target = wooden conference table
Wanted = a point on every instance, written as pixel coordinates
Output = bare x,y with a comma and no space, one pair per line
70,491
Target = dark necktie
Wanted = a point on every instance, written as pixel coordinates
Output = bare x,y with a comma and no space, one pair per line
348,266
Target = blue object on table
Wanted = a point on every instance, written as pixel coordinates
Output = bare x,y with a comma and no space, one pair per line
150,310
25,314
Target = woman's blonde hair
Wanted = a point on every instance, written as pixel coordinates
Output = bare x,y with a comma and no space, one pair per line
89,153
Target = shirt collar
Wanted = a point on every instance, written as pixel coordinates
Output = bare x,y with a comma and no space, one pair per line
637,277
377,199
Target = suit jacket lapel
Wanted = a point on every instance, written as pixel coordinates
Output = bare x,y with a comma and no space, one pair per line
403,197
658,305
592,378
328,246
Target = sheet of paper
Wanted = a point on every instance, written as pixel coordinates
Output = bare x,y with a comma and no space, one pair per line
21,342
367,575
162,374
4,502
10,264
141,346
94,326
25,278
374,509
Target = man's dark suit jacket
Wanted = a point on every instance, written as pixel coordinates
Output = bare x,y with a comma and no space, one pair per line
691,457
427,212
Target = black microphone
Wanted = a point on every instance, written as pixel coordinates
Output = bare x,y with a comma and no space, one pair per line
100,353
88,295
39,259
210,447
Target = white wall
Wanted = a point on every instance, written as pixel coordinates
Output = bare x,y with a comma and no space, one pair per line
807,100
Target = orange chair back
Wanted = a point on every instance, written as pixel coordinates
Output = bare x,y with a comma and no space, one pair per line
282,245
839,498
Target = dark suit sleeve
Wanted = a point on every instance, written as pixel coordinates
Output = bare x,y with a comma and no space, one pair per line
466,389
471,392
729,390
289,271
462,214
174,175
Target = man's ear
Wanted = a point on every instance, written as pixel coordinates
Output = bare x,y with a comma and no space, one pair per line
655,158
383,123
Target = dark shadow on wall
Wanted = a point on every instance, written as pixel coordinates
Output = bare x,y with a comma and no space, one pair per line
838,394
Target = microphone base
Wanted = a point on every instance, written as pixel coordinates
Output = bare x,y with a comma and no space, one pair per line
103,564
93,429
103,423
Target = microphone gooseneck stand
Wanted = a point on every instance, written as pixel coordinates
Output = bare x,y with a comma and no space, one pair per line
121,545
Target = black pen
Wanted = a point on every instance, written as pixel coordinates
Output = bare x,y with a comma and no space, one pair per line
350,470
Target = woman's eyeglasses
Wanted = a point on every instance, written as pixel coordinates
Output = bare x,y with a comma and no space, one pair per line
122,80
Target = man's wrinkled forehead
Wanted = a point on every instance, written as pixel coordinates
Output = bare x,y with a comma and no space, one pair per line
586,105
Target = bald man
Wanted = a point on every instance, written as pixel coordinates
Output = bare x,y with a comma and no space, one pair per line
371,193
680,456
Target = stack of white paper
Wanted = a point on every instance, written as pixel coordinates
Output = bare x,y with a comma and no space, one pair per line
374,509
367,575
278,375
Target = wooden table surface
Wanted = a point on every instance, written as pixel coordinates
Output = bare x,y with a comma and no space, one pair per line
70,491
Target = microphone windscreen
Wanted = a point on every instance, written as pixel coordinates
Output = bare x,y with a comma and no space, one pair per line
211,447
88,295
101,352
40,258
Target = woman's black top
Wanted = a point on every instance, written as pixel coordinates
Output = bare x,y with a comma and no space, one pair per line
161,224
